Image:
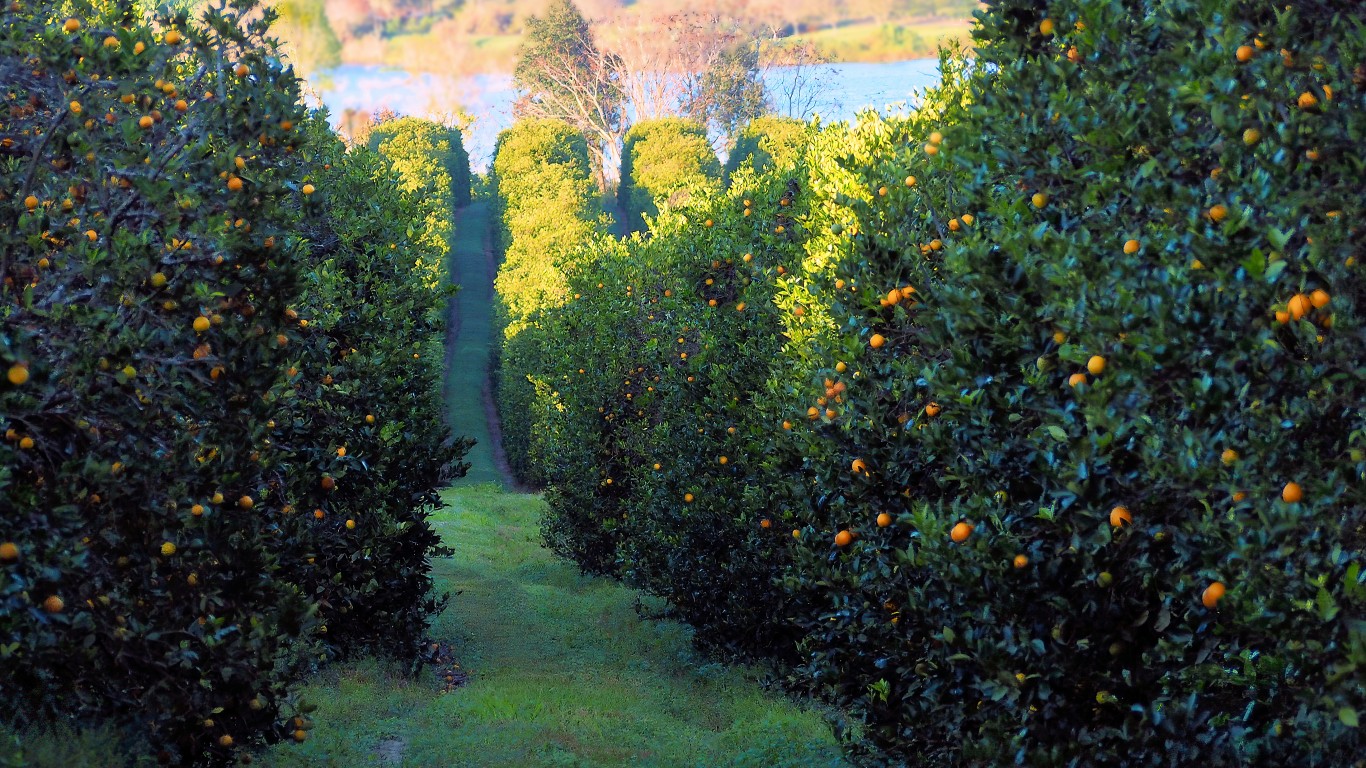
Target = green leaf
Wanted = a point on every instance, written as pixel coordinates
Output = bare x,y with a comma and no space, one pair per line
1348,716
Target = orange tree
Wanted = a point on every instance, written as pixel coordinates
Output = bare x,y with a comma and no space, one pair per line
547,206
663,159
157,178
765,142
141,340
362,426
1121,403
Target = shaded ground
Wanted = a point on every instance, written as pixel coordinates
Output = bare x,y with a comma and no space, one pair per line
469,401
563,672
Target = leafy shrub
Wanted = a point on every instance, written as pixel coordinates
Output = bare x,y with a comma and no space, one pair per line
425,153
547,206
167,212
767,142
1057,361
666,160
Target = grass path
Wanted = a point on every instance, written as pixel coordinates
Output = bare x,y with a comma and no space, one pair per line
470,334
563,672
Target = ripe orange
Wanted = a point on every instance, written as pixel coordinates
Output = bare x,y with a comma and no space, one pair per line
26,443
246,502
145,122
960,532
859,467
910,181
201,324
350,525
884,520
173,37
687,498
1308,100
1239,496
1218,213
1212,594
71,25
1039,199
197,510
1096,365
225,740
877,340
9,552
1076,379
17,374
300,735
1229,456
307,189
241,70
1299,306
1319,298
31,202
167,548
328,483
843,538
1251,136
1292,493
765,523
1020,561
53,604
234,184
318,514
1046,27
1244,53
1119,517
1131,246
932,410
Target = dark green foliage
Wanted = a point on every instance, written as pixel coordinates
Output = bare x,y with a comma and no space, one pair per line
664,161
167,419
1233,365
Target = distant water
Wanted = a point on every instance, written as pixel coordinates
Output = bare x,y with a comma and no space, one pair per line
840,92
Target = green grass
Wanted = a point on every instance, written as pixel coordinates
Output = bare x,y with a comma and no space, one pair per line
563,673
469,358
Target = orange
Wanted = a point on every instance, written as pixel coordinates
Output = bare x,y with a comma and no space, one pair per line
1239,496
893,296
9,552
1218,213
342,451
1076,379
71,25
26,443
225,740
31,202
234,184
173,37
859,466
1319,298
1119,517
241,70
1292,493
877,340
1229,456
318,514
1210,597
201,324
246,502
843,538
167,549
687,498
932,410
328,483
841,367
350,525
1251,136
300,735
1096,365
1131,246
936,137
960,532
53,604
1244,53
1282,317
796,534
17,374
1020,561
1046,27
1308,100
765,523
910,181
197,510
145,122
723,460
1299,306
884,520
307,189
1039,199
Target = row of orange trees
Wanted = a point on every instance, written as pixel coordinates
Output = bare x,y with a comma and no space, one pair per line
220,349
1025,428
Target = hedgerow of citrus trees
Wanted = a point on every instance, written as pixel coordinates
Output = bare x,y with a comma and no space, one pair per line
547,207
765,142
661,159
156,175
1068,451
